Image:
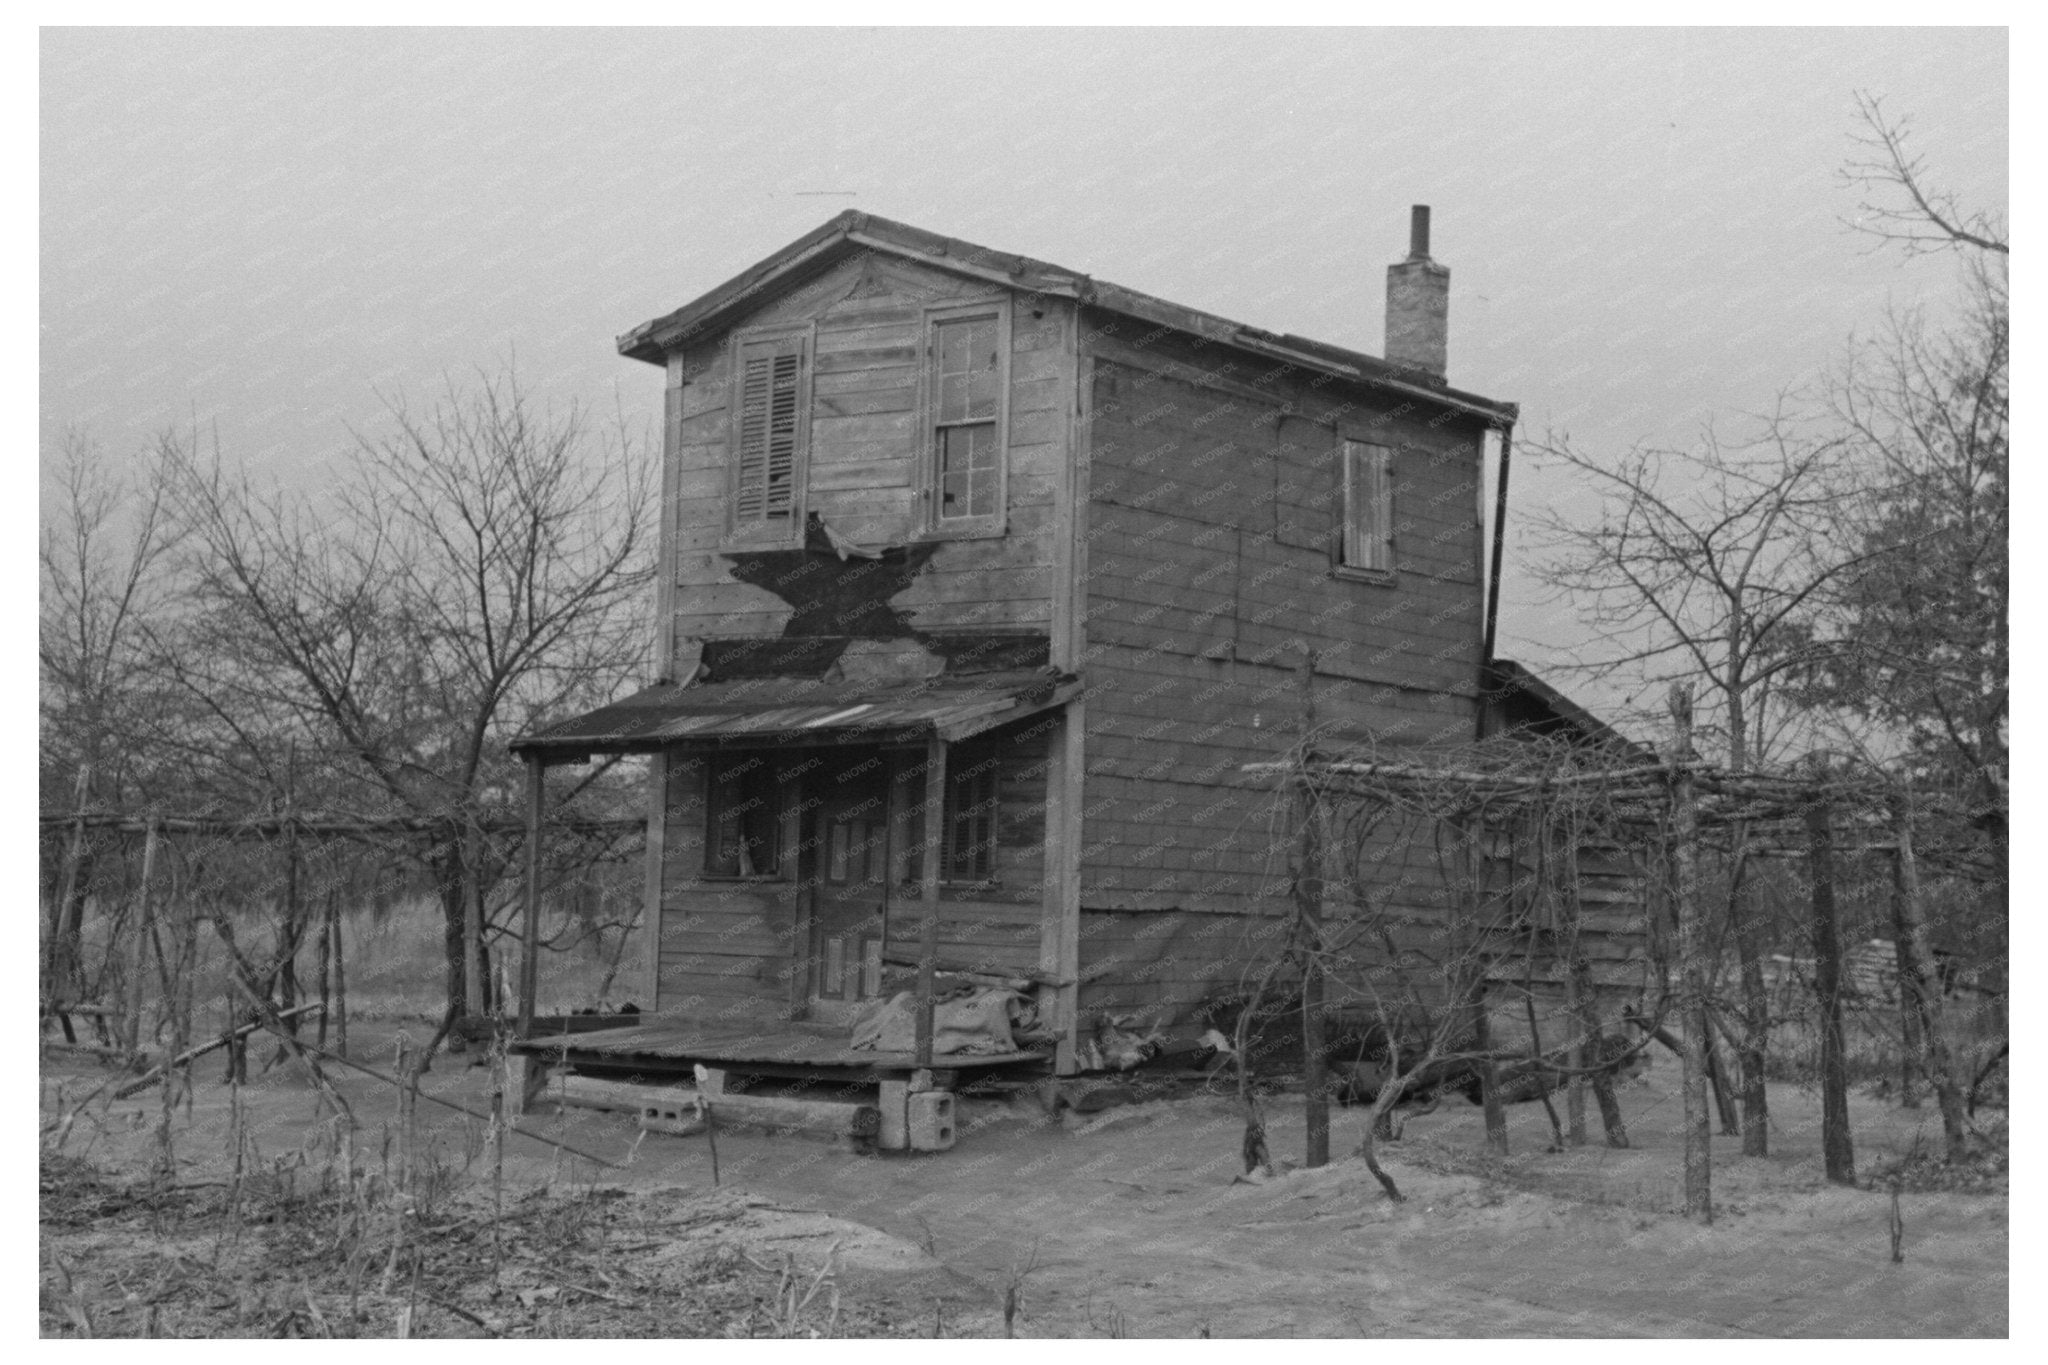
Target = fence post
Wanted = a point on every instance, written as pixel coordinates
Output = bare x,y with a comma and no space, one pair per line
1692,977
1308,909
139,972
529,963
61,979
1836,1149
1917,991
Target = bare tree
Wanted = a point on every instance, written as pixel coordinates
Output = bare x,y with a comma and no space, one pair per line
104,561
1917,639
1901,204
1711,564
480,566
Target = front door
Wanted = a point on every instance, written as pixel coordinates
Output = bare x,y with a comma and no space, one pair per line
846,870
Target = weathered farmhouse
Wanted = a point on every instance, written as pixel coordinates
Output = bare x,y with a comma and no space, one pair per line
980,581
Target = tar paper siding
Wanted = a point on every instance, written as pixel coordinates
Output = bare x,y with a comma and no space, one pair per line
1213,504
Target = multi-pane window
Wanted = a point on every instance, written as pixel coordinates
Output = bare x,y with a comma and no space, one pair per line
966,401
1368,507
769,429
743,833
970,820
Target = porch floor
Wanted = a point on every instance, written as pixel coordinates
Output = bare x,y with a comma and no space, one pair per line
672,1043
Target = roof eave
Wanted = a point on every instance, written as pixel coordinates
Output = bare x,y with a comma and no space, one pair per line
853,230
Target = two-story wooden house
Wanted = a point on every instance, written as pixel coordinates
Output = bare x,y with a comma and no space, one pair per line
981,579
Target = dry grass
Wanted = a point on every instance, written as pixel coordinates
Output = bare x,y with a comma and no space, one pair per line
286,1251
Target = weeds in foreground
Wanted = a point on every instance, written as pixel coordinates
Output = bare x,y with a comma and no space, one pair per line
400,1237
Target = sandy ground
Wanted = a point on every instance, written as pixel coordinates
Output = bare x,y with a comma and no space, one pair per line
1131,1222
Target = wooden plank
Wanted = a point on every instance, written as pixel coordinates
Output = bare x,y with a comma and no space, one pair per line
854,314
837,476
529,962
652,912
970,912
894,399
930,851
871,358
615,1097
1059,935
965,964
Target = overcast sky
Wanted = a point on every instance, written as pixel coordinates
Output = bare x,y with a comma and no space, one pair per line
267,228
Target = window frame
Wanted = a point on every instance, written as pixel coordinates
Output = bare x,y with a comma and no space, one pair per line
931,524
776,809
1352,453
986,813
765,532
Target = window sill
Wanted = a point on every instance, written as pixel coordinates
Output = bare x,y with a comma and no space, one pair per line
740,543
1351,573
976,530
734,878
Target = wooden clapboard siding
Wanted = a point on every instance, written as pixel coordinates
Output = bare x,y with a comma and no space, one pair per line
865,470
718,941
727,940
1164,964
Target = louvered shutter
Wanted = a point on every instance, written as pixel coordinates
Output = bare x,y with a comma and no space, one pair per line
769,430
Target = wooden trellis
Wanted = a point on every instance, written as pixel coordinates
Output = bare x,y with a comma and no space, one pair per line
1662,811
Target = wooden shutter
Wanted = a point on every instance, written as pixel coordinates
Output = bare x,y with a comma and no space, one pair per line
768,429
1368,507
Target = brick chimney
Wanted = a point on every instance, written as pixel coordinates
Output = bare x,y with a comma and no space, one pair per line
1418,303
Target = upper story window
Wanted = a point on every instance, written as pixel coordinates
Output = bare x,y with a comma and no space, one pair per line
770,422
1368,547
966,379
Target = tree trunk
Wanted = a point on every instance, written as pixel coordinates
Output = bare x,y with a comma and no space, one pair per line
1724,1090
1916,954
1575,1057
1836,1148
340,986
454,923
1471,966
288,954
67,916
1595,1046
1692,975
1912,1045
1747,916
326,966
476,979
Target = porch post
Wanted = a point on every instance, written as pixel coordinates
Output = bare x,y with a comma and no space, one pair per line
933,846
1059,929
529,966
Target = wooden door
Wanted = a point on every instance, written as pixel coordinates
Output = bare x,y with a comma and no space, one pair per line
848,857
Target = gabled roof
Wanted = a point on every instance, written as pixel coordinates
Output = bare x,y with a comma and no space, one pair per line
853,232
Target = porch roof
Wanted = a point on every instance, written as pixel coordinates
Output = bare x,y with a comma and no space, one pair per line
801,711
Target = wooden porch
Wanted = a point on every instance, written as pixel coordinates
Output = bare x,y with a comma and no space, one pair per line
658,1046
894,1100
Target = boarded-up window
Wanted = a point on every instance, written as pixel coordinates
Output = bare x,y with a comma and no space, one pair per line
966,360
744,833
769,430
970,854
1368,507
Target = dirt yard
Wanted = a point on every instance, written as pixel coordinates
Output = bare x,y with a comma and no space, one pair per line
1129,1222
